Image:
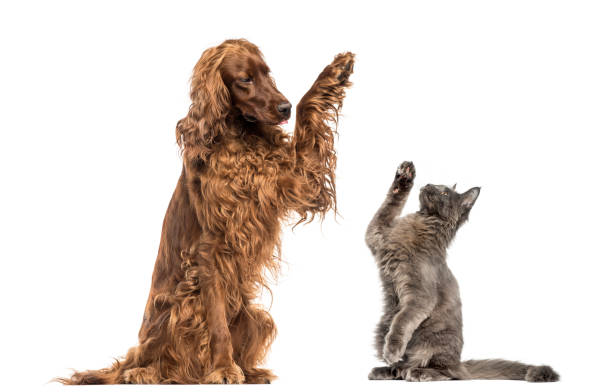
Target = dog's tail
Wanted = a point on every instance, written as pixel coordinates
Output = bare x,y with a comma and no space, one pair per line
110,375
499,369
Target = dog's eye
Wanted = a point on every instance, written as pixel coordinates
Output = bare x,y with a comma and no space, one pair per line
246,80
445,193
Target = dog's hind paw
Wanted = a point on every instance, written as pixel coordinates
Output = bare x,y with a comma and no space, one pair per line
227,375
140,375
259,376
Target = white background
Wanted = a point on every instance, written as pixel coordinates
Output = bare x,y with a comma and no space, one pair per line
511,96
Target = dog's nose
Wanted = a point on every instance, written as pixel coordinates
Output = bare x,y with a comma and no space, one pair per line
285,109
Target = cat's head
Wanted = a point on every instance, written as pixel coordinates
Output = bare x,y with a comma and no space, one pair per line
446,203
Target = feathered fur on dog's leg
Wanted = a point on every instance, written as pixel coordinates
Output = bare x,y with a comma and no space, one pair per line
224,369
313,140
253,331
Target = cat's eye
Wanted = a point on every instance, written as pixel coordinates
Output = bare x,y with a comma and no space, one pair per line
246,80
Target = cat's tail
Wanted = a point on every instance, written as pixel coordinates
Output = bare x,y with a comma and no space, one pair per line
499,369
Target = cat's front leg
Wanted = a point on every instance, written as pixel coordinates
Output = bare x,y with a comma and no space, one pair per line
392,206
395,347
405,322
414,309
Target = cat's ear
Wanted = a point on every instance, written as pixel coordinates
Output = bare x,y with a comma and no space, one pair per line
469,198
454,187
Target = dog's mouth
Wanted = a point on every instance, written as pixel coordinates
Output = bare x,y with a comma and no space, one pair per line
284,122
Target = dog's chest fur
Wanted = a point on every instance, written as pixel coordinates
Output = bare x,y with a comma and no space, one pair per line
237,192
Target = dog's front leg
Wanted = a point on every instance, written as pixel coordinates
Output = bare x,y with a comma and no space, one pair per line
313,184
224,369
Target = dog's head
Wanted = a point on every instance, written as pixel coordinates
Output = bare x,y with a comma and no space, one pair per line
252,90
231,79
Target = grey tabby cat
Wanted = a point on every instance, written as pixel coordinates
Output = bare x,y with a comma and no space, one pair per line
420,333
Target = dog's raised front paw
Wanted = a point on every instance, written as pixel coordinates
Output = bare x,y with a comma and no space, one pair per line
342,66
338,72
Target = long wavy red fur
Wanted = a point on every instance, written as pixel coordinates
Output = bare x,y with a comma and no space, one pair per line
220,239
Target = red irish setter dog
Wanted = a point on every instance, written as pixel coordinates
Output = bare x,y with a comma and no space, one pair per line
242,176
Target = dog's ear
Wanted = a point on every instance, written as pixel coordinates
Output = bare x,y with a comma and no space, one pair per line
210,102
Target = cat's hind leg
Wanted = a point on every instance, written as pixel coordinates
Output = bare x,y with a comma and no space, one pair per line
430,363
383,325
424,374
414,308
384,373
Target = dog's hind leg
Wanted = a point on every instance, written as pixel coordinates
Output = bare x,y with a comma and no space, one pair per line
141,375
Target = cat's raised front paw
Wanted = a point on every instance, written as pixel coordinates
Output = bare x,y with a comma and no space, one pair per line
404,177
